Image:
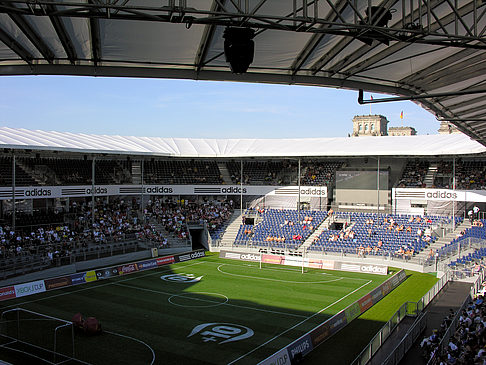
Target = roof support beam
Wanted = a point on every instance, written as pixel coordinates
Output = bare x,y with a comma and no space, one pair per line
206,40
416,97
360,67
317,37
439,65
434,80
31,34
95,40
16,47
465,103
61,33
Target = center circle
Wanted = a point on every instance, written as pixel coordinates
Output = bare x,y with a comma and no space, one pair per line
193,300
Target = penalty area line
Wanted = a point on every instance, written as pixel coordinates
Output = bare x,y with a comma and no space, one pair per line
298,324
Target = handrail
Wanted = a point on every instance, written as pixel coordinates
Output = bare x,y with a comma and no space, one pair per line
407,341
452,327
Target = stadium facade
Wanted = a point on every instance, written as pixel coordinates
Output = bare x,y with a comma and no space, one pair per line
351,180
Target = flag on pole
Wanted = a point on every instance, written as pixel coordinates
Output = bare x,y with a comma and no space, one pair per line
401,115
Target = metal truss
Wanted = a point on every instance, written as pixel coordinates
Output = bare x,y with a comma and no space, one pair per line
413,21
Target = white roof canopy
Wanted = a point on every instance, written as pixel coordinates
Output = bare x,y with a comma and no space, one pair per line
430,51
426,145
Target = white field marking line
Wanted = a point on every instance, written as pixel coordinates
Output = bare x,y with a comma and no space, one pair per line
137,340
113,333
62,362
42,348
90,287
187,294
297,270
228,304
278,280
298,324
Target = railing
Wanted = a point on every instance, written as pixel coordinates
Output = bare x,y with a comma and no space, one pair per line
28,263
414,309
448,333
407,342
455,249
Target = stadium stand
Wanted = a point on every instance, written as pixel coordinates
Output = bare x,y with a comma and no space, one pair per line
174,216
467,345
22,178
363,234
413,175
320,173
470,175
280,228
464,244
181,172
263,172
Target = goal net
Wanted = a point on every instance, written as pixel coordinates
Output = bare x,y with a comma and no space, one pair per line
37,335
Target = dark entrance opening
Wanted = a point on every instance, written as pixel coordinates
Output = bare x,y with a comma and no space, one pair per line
197,234
336,225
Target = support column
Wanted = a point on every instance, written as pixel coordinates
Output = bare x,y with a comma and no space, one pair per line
93,165
13,192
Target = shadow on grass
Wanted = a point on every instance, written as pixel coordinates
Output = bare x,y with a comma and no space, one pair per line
144,316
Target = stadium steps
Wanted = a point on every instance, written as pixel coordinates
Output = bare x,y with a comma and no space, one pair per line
40,178
172,240
323,226
430,176
424,254
229,235
223,171
136,172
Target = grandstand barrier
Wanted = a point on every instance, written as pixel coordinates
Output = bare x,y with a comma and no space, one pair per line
300,261
40,286
42,192
414,309
309,341
444,342
475,288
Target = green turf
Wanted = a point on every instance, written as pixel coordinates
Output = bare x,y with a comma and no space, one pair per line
346,345
141,311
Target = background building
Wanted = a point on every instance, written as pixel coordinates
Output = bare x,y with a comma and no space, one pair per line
370,125
447,128
402,131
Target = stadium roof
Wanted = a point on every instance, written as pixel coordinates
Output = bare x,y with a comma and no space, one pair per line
429,51
426,145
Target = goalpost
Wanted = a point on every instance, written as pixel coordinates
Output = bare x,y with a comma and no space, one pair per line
38,335
297,261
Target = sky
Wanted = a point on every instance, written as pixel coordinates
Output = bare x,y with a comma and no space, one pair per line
193,109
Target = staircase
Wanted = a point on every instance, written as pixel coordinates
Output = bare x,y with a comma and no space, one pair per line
40,174
229,235
172,240
136,172
430,176
322,227
424,254
223,170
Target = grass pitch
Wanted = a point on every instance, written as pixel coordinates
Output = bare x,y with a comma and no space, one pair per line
205,311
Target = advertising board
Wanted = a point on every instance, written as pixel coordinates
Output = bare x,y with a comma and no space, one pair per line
58,282
7,293
34,287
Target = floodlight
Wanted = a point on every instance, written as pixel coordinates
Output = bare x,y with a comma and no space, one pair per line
239,48
380,16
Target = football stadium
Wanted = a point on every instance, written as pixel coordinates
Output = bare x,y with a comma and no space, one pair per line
365,249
